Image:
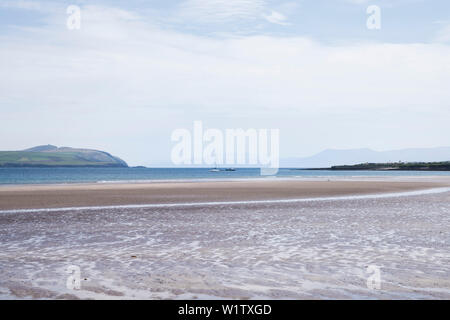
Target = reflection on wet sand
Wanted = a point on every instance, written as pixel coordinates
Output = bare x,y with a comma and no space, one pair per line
310,249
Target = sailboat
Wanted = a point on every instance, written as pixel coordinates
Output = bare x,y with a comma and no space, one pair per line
215,169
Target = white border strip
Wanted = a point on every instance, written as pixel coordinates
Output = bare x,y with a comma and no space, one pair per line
242,202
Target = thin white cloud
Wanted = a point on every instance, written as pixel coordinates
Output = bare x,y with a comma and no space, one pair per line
30,5
276,17
217,12
443,35
220,11
358,1
22,4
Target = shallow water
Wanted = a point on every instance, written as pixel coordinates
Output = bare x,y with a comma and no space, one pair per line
78,175
312,249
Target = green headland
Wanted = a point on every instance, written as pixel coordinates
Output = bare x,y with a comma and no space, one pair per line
52,156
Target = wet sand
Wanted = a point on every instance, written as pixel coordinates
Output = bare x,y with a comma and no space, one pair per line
95,194
306,250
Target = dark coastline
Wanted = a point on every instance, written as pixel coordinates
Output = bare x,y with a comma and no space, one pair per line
359,169
416,166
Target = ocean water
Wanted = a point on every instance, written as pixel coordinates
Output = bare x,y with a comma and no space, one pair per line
79,175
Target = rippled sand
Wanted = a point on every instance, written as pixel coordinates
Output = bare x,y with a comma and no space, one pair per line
307,250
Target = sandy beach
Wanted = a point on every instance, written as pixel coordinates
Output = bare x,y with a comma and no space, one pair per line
293,250
108,194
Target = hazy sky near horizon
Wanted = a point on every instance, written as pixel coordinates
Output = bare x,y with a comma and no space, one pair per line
137,70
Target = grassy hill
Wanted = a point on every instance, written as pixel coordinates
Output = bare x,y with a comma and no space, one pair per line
52,156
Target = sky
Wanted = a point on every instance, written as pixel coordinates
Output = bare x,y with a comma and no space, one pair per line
137,70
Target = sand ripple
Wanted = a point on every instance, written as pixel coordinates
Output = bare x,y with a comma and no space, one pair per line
241,251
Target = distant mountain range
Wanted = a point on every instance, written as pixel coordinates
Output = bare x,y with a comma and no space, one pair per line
332,157
52,156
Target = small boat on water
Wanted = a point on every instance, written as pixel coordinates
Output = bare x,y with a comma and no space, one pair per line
215,169
218,170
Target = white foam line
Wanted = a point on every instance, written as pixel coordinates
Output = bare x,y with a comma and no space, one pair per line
193,204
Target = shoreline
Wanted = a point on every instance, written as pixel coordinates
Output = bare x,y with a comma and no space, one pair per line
418,178
146,177
168,193
249,202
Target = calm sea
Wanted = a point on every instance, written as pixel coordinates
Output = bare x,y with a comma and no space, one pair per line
74,175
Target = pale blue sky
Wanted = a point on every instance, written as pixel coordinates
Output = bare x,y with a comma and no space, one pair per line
324,20
137,70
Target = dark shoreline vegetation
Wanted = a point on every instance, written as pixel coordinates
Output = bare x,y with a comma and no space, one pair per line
396,166
49,156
